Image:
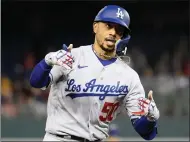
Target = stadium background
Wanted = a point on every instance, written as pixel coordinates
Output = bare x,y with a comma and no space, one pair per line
158,50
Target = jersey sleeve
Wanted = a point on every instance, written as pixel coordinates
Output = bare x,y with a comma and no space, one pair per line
57,73
130,102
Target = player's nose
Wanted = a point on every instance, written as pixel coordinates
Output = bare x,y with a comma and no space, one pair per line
112,32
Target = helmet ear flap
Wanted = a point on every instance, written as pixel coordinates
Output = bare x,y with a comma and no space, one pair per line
122,44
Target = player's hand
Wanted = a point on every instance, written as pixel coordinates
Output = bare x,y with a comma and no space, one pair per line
148,107
62,57
153,112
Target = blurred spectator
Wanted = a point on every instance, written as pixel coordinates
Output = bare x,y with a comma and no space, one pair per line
29,63
181,57
30,106
6,87
186,67
8,107
182,95
139,60
163,65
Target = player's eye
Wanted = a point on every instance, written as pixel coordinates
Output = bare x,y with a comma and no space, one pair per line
120,30
109,26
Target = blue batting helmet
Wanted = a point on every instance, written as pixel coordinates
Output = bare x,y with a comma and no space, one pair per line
118,15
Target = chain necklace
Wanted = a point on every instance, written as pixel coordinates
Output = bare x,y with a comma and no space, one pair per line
106,56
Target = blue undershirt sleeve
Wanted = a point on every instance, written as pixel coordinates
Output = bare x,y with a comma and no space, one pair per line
40,75
145,128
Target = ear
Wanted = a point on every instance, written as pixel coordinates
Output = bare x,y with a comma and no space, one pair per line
95,27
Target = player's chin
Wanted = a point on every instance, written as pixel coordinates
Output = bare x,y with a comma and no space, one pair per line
108,49
109,46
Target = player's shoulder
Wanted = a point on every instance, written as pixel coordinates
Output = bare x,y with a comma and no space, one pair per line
127,69
80,49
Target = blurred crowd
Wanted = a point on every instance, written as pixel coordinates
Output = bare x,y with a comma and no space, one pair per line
169,79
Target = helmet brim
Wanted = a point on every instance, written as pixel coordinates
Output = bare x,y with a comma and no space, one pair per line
112,20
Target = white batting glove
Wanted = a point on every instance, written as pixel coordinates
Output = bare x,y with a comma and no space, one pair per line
62,58
149,108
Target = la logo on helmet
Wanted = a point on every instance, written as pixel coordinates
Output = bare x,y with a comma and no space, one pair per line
119,13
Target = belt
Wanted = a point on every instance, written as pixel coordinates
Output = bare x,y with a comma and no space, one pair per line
75,138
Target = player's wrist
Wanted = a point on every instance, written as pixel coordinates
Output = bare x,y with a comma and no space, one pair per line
49,59
149,118
46,65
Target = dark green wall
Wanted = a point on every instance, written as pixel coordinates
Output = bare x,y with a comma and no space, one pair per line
30,127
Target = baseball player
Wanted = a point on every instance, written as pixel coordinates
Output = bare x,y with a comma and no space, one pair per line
91,85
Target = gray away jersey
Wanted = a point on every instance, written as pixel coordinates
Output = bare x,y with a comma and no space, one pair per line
85,100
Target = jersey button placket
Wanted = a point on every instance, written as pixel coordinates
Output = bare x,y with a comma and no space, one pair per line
101,74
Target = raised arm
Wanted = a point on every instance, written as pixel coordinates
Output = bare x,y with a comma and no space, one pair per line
51,68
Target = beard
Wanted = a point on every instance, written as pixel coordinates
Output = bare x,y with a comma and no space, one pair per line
106,48
109,50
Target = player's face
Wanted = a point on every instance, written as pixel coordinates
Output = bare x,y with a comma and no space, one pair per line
106,34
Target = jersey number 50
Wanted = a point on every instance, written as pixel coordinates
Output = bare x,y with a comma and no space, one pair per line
108,111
